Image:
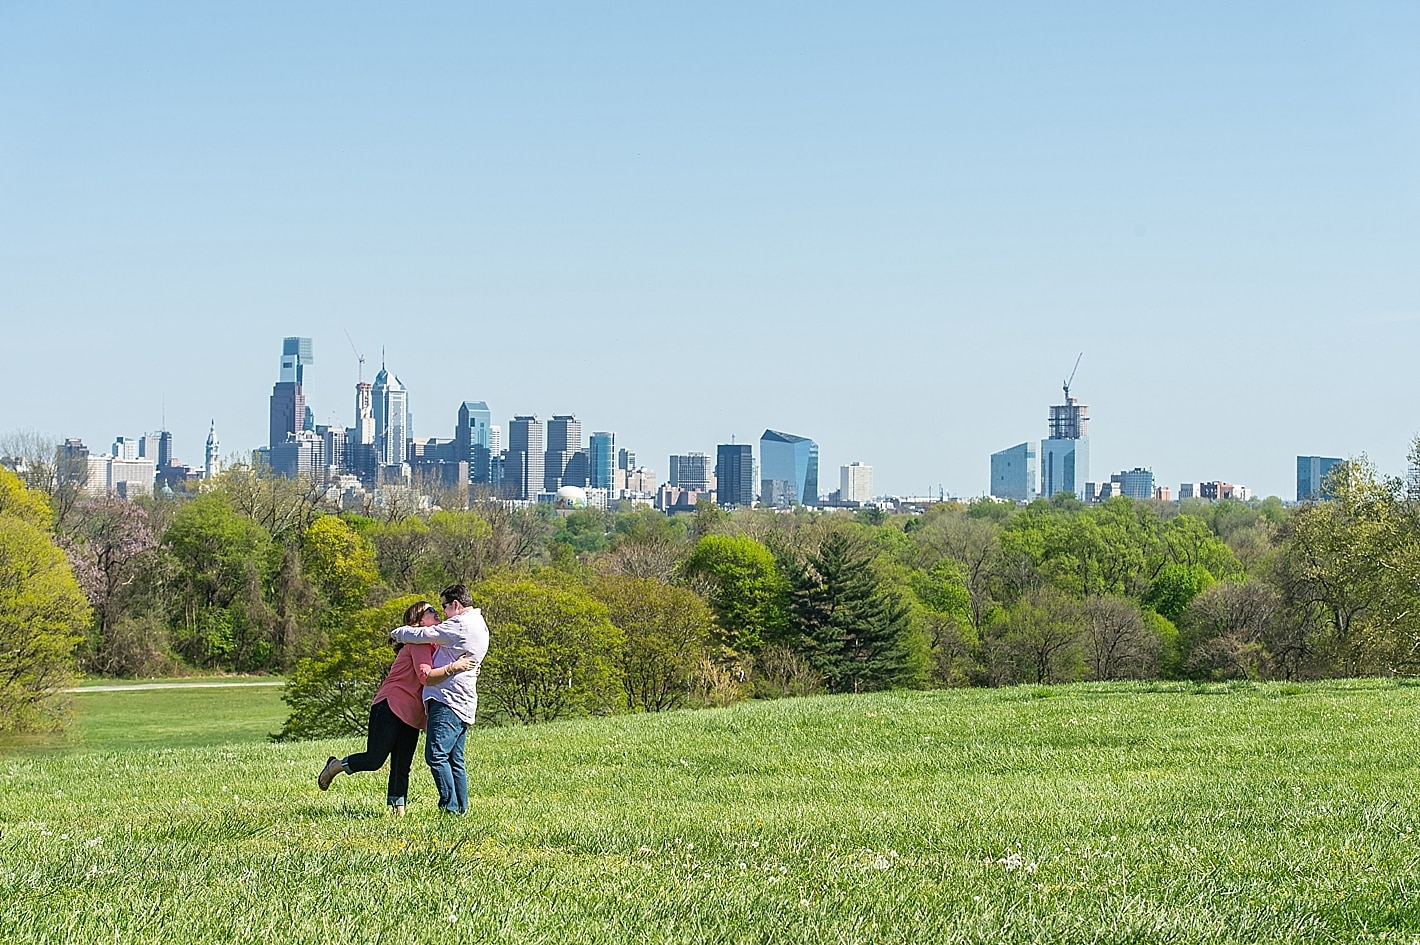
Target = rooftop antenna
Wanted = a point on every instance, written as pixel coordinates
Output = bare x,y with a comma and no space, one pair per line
358,355
1072,377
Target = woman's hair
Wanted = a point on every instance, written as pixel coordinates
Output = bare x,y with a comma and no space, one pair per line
415,612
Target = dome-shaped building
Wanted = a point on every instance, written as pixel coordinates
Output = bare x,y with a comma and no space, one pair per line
571,497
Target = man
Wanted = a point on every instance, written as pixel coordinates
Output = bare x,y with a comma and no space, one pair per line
451,702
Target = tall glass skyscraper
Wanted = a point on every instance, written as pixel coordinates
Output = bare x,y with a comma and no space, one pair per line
788,469
602,461
473,439
1015,474
391,402
288,402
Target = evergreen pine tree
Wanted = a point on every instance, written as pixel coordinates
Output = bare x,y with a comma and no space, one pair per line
849,626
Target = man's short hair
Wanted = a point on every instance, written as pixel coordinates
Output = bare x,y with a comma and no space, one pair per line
455,592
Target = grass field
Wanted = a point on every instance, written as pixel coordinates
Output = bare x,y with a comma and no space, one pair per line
1087,813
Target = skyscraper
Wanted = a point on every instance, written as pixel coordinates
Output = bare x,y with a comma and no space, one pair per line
472,439
1065,455
391,412
288,401
1015,474
734,475
788,469
691,471
601,461
564,441
523,469
363,432
1311,476
855,483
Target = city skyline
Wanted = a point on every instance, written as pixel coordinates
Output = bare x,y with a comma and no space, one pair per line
1065,422
850,224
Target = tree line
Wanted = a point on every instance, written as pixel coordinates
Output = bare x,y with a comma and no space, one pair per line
595,612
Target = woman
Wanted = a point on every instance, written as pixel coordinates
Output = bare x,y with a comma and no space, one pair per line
397,715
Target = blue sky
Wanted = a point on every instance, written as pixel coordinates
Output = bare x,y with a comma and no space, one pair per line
892,230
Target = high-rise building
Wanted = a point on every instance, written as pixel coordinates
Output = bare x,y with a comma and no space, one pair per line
734,475
1136,483
213,465
126,447
625,459
523,469
601,461
788,469
1065,455
288,400
472,438
1015,473
363,432
855,483
564,441
1311,476
391,412
302,456
691,471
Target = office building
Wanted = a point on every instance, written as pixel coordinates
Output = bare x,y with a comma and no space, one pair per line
691,471
363,432
560,465
523,464
391,414
1015,473
855,484
472,437
788,469
1311,476
126,447
734,475
1065,455
625,459
301,456
288,400
601,461
1136,483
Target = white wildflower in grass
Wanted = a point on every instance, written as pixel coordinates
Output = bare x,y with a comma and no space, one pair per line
94,842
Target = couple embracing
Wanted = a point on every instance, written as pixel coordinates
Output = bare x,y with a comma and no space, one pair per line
433,682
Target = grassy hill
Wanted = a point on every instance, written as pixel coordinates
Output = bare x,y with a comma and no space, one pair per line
1083,813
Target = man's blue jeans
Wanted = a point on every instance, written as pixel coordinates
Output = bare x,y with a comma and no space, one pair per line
443,750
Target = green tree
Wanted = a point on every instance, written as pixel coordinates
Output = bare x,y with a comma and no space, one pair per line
1339,561
744,589
555,652
850,627
668,635
223,560
43,613
340,562
1040,639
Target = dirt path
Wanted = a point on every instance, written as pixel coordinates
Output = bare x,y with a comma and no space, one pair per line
176,685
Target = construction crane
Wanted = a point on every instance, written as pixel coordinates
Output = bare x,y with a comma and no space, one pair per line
1066,385
361,358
